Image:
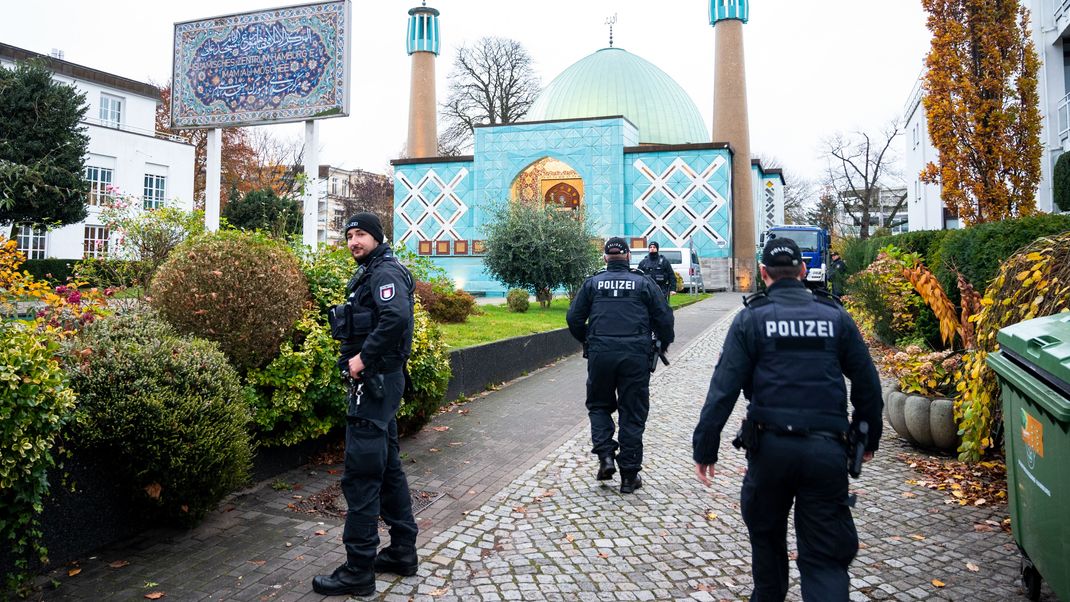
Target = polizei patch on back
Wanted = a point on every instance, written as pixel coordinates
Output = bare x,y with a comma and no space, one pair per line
386,292
799,328
619,285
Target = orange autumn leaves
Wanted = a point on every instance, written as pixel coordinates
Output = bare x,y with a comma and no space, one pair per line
982,108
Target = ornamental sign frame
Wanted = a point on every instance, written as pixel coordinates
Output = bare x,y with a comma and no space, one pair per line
269,66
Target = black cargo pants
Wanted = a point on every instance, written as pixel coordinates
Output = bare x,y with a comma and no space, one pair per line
811,472
373,481
618,382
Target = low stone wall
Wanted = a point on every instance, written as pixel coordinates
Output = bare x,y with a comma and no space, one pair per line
474,368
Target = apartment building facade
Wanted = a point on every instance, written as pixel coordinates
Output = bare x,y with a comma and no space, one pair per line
125,156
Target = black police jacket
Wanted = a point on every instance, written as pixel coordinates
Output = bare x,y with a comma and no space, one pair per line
660,269
380,299
789,351
616,310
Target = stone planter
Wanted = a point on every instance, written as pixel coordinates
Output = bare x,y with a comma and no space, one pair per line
927,422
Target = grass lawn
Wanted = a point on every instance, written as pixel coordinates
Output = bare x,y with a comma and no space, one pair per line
497,322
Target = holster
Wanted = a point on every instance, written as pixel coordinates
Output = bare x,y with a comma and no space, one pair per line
747,437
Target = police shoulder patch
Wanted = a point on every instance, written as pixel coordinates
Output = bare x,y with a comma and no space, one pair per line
386,292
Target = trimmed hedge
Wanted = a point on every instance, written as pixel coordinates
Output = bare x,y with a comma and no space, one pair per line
169,412
976,251
55,271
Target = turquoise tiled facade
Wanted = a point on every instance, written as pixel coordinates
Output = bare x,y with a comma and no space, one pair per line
672,195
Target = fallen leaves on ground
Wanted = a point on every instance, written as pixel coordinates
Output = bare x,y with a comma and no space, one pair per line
603,555
440,429
570,538
710,514
938,583
155,595
118,564
972,567
440,591
434,450
320,532
73,572
967,484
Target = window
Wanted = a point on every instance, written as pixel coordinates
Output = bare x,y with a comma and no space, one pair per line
155,187
31,241
99,179
339,219
96,242
111,110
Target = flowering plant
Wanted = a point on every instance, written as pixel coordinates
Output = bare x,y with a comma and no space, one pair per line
928,373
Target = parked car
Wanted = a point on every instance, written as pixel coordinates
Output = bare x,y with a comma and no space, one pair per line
690,271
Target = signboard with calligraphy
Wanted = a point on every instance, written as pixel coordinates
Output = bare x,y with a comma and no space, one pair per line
269,66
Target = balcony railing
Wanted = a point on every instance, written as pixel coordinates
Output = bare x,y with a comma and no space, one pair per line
1064,116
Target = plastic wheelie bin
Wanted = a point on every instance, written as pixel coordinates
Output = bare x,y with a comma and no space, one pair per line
1033,366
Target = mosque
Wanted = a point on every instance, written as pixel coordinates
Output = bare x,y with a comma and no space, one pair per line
612,134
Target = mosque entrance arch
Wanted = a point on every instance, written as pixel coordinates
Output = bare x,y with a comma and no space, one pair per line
549,181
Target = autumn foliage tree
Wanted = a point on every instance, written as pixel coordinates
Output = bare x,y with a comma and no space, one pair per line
238,156
982,106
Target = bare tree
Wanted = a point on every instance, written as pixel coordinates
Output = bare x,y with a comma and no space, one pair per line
860,166
800,192
371,192
274,163
493,81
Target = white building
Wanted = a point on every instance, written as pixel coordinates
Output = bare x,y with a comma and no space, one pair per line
124,152
1051,35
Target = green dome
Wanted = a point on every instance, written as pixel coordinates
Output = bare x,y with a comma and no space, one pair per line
615,82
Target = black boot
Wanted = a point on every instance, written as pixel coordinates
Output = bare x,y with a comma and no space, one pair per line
345,580
606,467
397,560
629,483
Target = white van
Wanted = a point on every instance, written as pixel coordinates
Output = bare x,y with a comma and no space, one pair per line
684,262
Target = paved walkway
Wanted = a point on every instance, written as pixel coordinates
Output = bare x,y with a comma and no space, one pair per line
520,517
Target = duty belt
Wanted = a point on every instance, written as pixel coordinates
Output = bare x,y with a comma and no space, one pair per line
791,431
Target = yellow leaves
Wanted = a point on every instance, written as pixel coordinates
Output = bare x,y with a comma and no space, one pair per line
938,583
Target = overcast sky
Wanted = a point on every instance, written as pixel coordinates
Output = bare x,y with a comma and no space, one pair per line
814,68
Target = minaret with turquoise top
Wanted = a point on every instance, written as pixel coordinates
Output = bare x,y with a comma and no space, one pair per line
423,46
731,125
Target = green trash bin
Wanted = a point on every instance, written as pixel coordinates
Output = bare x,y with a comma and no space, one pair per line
1033,366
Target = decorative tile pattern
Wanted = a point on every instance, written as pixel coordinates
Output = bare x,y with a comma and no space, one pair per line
682,198
430,208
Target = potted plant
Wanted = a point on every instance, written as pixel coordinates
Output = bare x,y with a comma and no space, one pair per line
920,407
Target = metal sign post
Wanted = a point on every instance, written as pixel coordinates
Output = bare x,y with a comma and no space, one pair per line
213,168
310,158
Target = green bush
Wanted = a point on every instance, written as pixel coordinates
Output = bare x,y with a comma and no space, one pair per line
429,373
517,299
300,395
55,271
327,271
1061,182
168,412
979,250
108,272
452,308
244,291
35,403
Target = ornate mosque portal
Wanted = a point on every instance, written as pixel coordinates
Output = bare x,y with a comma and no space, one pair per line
551,182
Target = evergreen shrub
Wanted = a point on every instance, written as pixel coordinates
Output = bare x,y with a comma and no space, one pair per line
168,412
54,271
243,291
517,300
35,404
429,373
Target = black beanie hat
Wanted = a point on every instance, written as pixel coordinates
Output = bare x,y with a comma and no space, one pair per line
369,222
655,245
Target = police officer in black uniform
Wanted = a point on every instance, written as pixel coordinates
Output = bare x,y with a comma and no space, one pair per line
614,315
658,267
375,326
788,351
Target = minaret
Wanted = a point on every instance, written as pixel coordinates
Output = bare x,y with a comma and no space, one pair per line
730,125
423,46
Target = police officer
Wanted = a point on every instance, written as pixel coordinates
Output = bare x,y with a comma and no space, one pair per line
375,326
837,274
788,350
659,268
613,315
